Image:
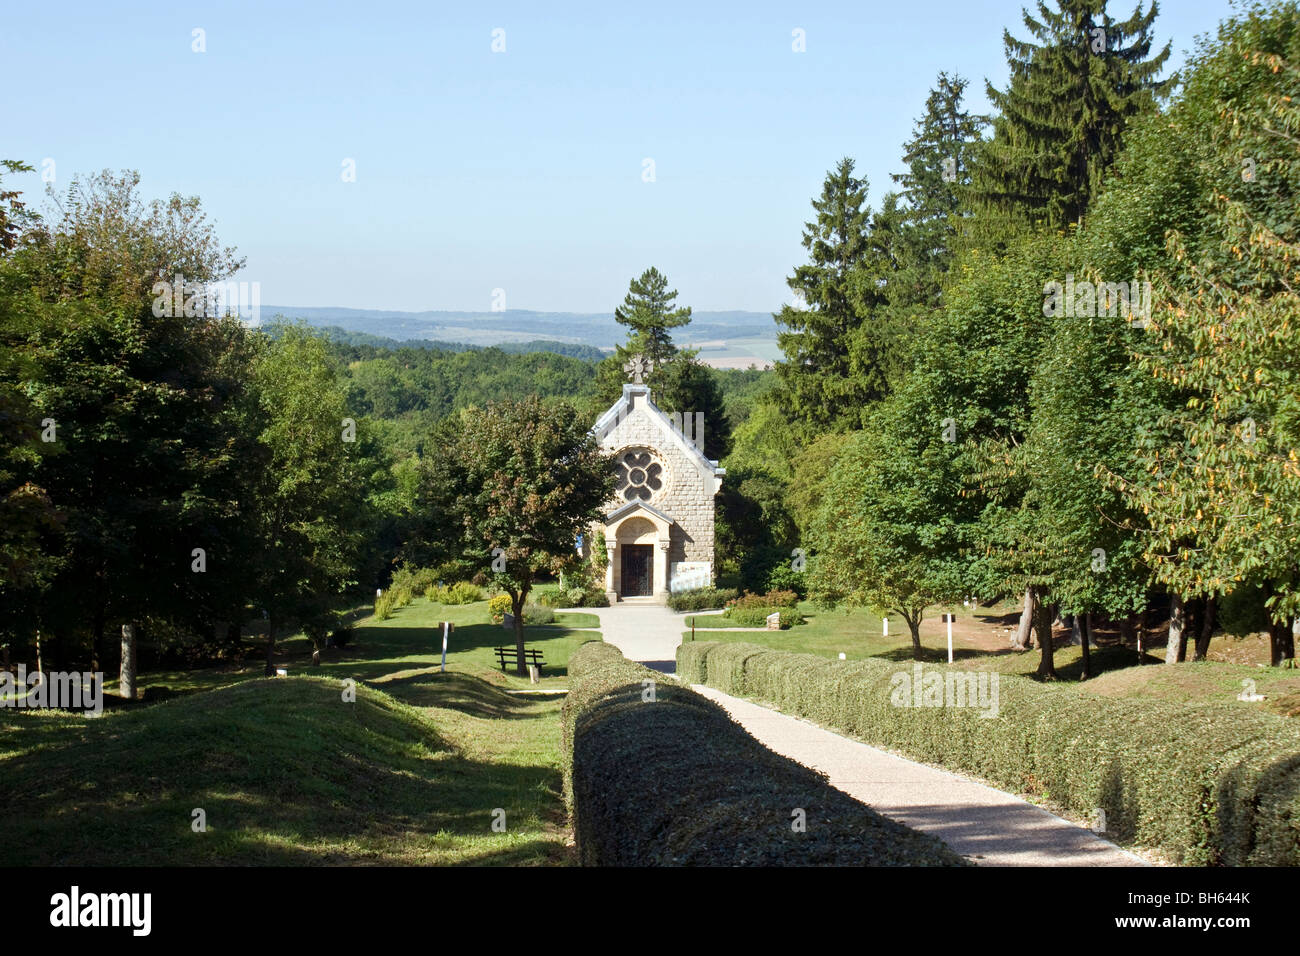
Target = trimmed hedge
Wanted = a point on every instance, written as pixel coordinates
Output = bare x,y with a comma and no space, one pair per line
701,599
1210,783
675,781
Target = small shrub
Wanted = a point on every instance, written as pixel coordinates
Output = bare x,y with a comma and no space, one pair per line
748,616
499,607
790,617
462,592
413,580
342,634
551,597
783,577
536,614
782,598
701,599
769,600
384,605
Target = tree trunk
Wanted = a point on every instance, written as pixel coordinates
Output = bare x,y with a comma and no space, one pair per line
126,679
1127,631
517,606
1084,638
270,646
914,625
1207,628
1176,647
1025,632
1281,642
1076,630
1043,615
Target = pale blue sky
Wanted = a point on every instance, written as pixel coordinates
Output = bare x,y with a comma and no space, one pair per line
519,170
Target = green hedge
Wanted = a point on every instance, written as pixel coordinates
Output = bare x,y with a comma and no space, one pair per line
677,782
1210,783
701,599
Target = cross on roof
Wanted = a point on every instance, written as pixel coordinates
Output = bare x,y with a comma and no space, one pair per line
638,367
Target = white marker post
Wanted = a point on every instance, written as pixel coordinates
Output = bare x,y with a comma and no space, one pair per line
949,618
884,623
446,632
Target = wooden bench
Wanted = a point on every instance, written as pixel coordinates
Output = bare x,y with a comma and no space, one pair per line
510,655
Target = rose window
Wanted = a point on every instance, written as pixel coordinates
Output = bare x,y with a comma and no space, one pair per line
639,476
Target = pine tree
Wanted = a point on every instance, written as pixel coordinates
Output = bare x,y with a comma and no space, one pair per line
939,158
833,364
1062,118
648,312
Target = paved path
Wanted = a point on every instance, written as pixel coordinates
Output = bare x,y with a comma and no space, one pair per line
988,826
648,633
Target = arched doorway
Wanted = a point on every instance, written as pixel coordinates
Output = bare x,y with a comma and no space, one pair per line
636,546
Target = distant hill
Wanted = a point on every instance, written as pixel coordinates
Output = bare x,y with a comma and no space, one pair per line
729,337
347,337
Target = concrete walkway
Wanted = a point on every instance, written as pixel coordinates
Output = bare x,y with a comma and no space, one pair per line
984,825
987,826
648,633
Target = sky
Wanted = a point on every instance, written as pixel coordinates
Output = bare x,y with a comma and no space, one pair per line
519,177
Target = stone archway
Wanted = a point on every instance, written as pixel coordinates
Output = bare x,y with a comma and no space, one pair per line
637,544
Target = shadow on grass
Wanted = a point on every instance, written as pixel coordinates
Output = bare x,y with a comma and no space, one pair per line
286,773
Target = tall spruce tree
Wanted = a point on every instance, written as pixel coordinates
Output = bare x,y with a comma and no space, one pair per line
939,159
834,365
1062,118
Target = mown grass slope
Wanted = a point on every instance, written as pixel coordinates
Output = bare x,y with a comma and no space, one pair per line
288,773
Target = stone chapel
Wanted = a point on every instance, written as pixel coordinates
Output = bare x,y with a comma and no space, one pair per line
658,527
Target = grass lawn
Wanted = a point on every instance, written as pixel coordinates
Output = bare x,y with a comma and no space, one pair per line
409,642
288,773
979,644
855,632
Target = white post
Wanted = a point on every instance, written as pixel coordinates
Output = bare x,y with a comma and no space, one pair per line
949,618
884,621
446,630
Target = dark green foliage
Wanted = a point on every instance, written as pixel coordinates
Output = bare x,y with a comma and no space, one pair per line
1208,782
674,781
834,345
701,599
939,157
650,316
511,487
1061,121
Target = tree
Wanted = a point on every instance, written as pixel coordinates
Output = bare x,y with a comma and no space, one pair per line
29,547
14,214
833,362
1061,120
679,383
939,158
511,487
311,512
884,536
648,312
136,405
1214,473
